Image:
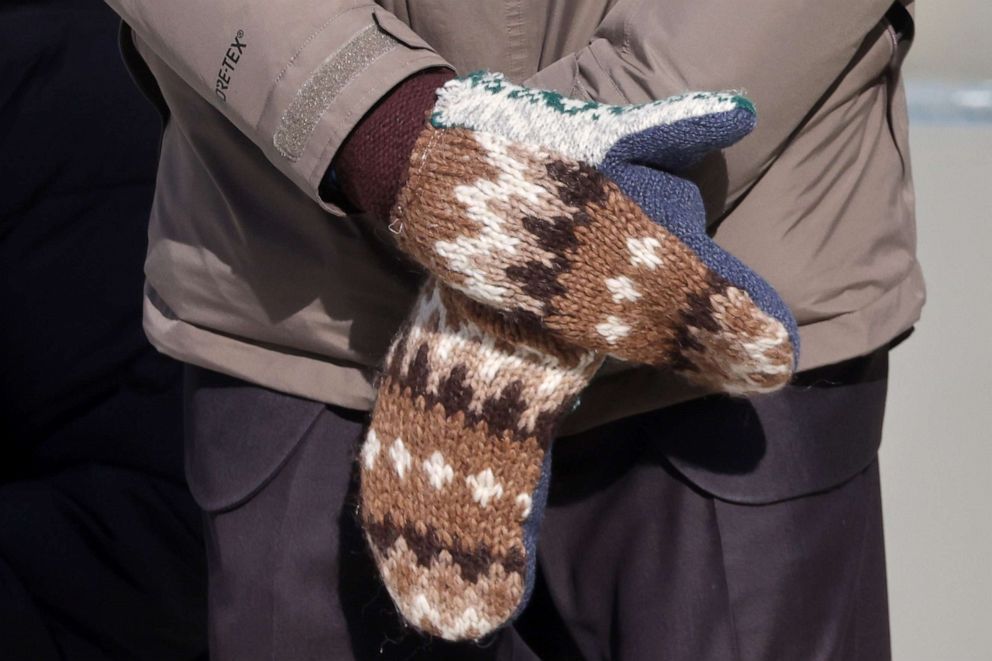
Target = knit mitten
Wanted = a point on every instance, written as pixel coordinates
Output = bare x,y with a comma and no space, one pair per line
564,215
455,465
555,234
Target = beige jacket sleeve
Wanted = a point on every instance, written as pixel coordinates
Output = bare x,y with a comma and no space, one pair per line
784,55
294,76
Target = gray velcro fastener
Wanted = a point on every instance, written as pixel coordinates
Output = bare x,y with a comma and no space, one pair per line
297,124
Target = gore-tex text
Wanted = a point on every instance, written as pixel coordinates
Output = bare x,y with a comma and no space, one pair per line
229,64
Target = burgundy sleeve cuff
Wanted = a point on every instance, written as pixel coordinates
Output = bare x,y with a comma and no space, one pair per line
371,165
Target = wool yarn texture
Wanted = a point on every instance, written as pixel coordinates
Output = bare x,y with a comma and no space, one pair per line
555,232
455,464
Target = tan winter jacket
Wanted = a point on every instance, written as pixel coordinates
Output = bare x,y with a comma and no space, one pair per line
250,273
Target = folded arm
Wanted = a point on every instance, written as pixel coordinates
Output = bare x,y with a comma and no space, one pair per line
294,76
784,55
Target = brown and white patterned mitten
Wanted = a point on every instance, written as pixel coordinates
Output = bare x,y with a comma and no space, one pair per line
455,465
545,208
555,233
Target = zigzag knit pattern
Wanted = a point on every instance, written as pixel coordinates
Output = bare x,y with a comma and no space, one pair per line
580,130
636,146
550,245
455,463
555,244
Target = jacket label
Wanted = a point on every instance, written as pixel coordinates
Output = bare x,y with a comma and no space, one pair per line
227,66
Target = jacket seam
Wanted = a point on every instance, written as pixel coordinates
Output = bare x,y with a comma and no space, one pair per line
516,38
627,30
576,83
293,58
609,76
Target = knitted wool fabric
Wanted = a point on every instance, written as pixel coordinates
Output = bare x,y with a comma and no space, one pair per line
542,207
454,468
555,235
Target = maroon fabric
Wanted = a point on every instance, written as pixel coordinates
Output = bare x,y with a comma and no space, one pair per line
371,164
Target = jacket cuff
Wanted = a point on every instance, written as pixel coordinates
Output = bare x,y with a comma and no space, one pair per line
320,98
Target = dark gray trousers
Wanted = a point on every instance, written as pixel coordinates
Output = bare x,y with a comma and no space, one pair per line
717,530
